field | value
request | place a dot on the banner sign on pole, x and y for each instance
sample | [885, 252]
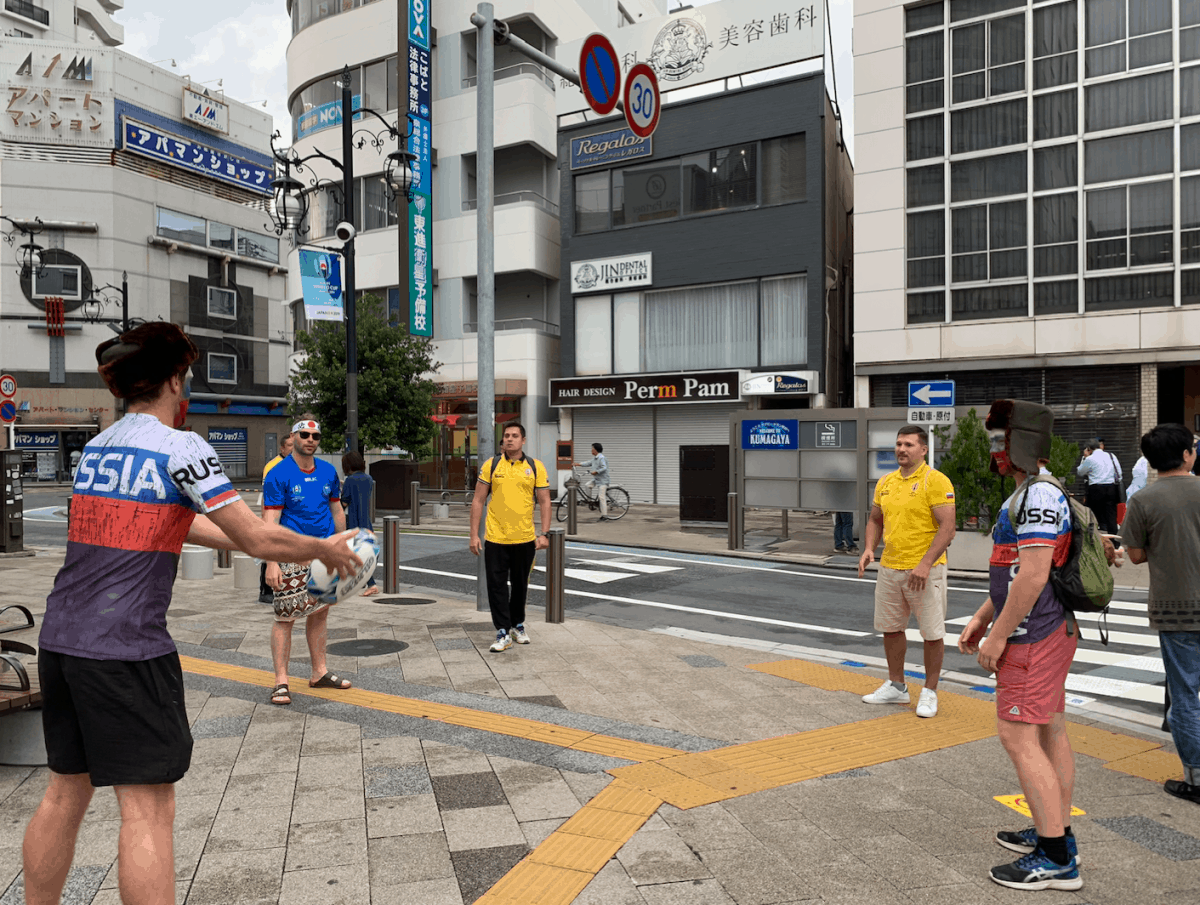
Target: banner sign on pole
[692, 46]
[420, 143]
[321, 282]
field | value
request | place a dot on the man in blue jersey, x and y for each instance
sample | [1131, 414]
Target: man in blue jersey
[112, 687]
[301, 493]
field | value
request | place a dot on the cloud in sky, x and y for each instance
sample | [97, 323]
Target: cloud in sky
[243, 44]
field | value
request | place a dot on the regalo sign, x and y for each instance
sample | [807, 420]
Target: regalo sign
[647, 389]
[707, 43]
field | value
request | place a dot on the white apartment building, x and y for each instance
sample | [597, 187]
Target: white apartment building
[330, 34]
[1028, 221]
[117, 167]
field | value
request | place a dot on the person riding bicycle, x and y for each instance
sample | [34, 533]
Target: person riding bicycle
[597, 466]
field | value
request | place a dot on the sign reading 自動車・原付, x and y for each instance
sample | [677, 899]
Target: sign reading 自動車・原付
[647, 389]
[607, 274]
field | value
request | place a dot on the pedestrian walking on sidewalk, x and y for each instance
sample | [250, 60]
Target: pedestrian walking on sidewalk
[1162, 527]
[113, 709]
[358, 494]
[266, 593]
[1030, 647]
[597, 467]
[510, 483]
[1103, 473]
[913, 512]
[301, 493]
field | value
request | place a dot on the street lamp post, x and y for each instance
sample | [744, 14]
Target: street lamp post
[93, 308]
[290, 210]
[29, 253]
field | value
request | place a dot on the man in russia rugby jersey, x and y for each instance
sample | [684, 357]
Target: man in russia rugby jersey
[113, 710]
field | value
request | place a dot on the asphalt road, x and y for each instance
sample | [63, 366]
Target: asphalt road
[825, 609]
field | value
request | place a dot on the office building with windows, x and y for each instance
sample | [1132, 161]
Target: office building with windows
[705, 271]
[1029, 215]
[330, 34]
[116, 167]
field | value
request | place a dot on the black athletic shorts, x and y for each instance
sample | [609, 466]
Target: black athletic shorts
[122, 722]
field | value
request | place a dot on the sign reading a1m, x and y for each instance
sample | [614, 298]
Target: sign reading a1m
[938, 393]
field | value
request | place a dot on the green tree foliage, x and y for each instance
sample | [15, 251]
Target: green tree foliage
[395, 395]
[967, 463]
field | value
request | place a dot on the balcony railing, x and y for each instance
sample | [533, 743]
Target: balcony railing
[518, 323]
[516, 197]
[509, 72]
[28, 10]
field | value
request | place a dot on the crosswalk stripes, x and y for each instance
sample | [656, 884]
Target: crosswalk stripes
[616, 569]
[1122, 671]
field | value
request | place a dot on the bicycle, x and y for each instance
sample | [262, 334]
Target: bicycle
[618, 499]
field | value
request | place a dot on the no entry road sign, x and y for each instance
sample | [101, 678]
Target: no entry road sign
[600, 74]
[642, 100]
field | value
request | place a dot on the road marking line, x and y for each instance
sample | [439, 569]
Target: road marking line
[656, 604]
[643, 567]
[592, 576]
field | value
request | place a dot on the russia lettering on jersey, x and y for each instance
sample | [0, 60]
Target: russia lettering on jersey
[137, 490]
[1043, 520]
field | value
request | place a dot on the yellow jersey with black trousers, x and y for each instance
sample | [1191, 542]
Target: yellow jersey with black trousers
[513, 485]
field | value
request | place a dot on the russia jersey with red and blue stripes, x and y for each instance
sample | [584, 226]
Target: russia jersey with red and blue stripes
[138, 488]
[1043, 520]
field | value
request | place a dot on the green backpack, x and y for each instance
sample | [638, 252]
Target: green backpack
[1084, 582]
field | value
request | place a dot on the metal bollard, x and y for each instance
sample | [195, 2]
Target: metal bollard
[572, 485]
[224, 559]
[556, 558]
[735, 523]
[416, 504]
[785, 525]
[391, 554]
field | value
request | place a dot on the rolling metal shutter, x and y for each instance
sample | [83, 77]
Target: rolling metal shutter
[627, 434]
[686, 425]
[230, 444]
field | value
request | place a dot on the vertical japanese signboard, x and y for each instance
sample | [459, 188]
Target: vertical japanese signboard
[420, 210]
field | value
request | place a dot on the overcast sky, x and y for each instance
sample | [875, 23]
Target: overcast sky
[246, 42]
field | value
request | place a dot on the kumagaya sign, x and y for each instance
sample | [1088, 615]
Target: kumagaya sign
[707, 43]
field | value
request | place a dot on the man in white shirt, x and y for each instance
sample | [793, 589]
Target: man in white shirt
[1141, 474]
[1103, 473]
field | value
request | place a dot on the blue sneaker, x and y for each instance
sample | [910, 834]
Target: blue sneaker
[1036, 871]
[1025, 841]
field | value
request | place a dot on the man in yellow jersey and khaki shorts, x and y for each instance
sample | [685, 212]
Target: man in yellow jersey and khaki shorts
[914, 512]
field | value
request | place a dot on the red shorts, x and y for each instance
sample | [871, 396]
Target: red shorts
[1031, 678]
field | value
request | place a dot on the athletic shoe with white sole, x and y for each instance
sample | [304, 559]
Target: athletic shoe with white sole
[927, 703]
[520, 635]
[887, 693]
[1037, 871]
[1025, 841]
[502, 643]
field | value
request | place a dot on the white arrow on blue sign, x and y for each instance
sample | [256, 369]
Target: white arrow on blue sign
[930, 393]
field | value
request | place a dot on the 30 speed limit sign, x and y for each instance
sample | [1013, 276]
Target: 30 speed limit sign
[8, 386]
[642, 101]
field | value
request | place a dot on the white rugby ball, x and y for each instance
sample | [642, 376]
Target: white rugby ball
[327, 587]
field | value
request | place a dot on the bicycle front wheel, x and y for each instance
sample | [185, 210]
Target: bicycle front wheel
[618, 502]
[560, 511]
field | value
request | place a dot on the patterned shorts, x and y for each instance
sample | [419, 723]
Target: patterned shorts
[292, 600]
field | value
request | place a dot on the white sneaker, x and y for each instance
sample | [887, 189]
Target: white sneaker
[502, 643]
[887, 693]
[520, 635]
[927, 703]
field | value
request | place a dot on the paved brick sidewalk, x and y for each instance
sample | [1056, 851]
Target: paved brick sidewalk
[598, 765]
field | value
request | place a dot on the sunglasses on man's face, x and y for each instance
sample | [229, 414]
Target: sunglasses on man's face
[305, 435]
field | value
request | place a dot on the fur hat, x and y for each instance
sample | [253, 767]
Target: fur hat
[1028, 429]
[140, 361]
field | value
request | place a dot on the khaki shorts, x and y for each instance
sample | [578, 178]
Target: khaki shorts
[894, 602]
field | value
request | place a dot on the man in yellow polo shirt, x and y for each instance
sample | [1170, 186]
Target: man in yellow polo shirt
[914, 512]
[512, 481]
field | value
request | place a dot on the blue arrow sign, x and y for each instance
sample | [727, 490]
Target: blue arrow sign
[939, 393]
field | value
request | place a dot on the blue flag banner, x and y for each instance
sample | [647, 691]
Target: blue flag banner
[321, 282]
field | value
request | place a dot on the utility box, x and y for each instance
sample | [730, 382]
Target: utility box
[393, 483]
[564, 454]
[12, 503]
[703, 483]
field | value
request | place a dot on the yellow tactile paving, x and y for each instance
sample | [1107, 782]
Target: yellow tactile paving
[819, 676]
[532, 883]
[626, 799]
[585, 853]
[599, 823]
[1156, 766]
[622, 748]
[1107, 746]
